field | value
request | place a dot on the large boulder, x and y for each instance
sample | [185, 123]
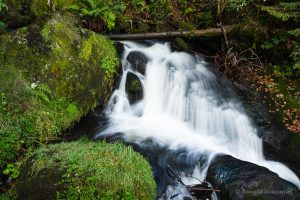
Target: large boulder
[51, 74]
[93, 170]
[243, 180]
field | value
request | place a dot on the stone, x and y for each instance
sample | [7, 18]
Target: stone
[244, 180]
[138, 61]
[134, 88]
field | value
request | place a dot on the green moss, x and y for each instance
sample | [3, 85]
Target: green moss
[46, 83]
[87, 170]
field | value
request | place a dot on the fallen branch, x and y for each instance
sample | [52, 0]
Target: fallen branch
[210, 32]
[201, 191]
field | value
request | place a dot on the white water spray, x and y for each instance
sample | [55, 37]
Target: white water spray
[184, 106]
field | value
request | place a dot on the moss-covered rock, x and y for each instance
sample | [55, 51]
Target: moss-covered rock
[86, 170]
[51, 74]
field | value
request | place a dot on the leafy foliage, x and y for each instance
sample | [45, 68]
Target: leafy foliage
[275, 41]
[237, 5]
[12, 171]
[139, 5]
[290, 40]
[196, 12]
[97, 11]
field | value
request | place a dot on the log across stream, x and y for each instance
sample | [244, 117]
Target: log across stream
[210, 32]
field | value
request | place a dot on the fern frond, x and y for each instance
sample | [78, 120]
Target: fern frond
[92, 4]
[290, 5]
[85, 12]
[280, 13]
[96, 12]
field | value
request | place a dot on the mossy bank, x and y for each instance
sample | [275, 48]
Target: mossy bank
[51, 74]
[86, 170]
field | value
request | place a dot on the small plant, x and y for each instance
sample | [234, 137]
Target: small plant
[98, 13]
[12, 171]
[289, 40]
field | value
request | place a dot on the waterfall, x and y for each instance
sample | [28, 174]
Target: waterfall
[185, 106]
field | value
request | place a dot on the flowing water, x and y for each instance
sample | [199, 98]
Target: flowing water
[187, 114]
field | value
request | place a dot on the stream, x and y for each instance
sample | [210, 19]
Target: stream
[185, 117]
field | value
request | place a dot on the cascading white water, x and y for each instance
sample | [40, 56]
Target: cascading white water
[184, 106]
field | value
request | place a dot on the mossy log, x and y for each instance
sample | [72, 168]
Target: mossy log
[210, 32]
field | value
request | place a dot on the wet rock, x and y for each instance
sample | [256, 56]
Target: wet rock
[179, 44]
[119, 48]
[243, 180]
[138, 61]
[134, 88]
[269, 128]
[279, 144]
